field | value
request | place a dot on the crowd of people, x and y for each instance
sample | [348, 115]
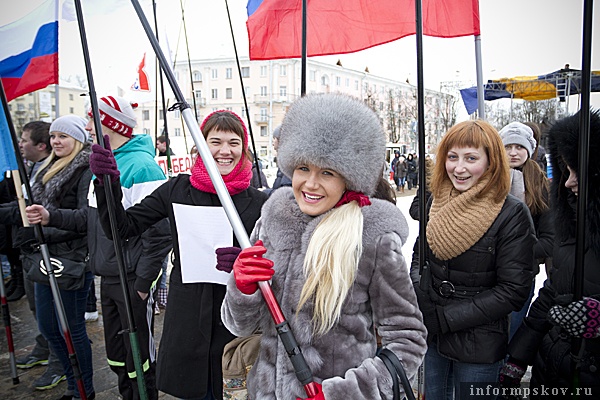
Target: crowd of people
[328, 236]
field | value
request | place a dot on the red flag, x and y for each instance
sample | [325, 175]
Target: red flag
[141, 82]
[346, 26]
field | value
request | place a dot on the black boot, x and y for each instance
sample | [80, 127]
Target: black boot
[19, 285]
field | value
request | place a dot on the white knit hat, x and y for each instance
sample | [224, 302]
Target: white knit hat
[518, 133]
[117, 114]
[72, 125]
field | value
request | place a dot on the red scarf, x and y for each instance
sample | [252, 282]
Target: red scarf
[350, 195]
[236, 181]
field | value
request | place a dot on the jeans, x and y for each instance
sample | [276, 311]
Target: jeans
[443, 376]
[74, 302]
[517, 317]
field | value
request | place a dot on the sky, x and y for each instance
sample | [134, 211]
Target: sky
[518, 37]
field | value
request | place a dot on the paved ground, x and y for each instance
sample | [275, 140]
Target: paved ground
[24, 330]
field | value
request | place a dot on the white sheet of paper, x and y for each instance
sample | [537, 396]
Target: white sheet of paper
[201, 230]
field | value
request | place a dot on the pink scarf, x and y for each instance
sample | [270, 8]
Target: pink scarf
[236, 181]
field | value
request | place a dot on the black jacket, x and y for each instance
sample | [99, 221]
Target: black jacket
[193, 337]
[492, 279]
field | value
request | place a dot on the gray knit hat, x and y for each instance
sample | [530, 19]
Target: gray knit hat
[334, 131]
[72, 125]
[518, 133]
[277, 132]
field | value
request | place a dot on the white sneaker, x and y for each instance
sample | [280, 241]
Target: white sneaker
[91, 316]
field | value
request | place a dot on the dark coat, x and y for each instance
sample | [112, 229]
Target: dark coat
[495, 276]
[538, 342]
[194, 336]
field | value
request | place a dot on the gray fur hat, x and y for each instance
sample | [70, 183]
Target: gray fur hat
[337, 132]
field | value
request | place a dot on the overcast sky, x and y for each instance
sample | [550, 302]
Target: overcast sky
[518, 37]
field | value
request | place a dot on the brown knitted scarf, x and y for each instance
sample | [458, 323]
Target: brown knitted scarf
[458, 220]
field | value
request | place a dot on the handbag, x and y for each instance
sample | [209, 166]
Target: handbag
[238, 357]
[398, 374]
[70, 275]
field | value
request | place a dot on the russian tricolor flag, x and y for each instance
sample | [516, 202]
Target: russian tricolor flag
[29, 51]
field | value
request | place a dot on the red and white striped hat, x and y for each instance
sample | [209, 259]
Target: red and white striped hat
[117, 114]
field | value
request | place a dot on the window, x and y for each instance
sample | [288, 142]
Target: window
[20, 107]
[198, 94]
[71, 110]
[347, 82]
[228, 73]
[338, 81]
[263, 131]
[263, 114]
[283, 91]
[312, 75]
[71, 97]
[245, 72]
[214, 73]
[160, 115]
[325, 80]
[356, 84]
[263, 151]
[214, 94]
[146, 131]
[247, 90]
[197, 76]
[228, 93]
[263, 91]
[283, 70]
[177, 114]
[177, 131]
[229, 108]
[263, 70]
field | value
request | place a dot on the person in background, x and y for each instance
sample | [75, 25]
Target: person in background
[478, 261]
[194, 154]
[143, 254]
[255, 182]
[335, 260]
[35, 148]
[280, 179]
[393, 168]
[411, 171]
[556, 318]
[63, 181]
[191, 348]
[520, 145]
[162, 144]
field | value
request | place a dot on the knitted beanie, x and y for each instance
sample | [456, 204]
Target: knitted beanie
[518, 133]
[72, 125]
[277, 132]
[336, 132]
[117, 114]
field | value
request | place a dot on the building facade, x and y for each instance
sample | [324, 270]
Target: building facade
[47, 104]
[271, 86]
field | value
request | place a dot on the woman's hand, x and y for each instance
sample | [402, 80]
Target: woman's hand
[250, 268]
[318, 396]
[37, 214]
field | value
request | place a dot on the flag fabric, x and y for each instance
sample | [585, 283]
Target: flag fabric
[29, 51]
[141, 81]
[346, 26]
[8, 161]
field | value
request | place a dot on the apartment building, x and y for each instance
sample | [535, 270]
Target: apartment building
[47, 104]
[271, 86]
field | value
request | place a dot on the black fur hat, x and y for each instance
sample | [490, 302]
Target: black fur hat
[334, 131]
[563, 145]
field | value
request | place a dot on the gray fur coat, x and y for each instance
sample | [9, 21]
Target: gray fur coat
[344, 358]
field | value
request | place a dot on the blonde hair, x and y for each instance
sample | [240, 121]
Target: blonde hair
[59, 164]
[476, 133]
[331, 263]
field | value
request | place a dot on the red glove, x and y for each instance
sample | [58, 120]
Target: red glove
[250, 268]
[318, 396]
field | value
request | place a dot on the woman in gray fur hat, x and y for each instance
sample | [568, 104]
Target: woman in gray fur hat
[335, 260]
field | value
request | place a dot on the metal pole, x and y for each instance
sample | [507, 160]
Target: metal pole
[39, 234]
[237, 60]
[578, 344]
[301, 368]
[304, 52]
[131, 328]
[479, 68]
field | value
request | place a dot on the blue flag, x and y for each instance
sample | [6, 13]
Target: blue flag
[8, 161]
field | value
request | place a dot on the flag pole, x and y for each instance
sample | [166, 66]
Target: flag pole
[479, 69]
[39, 234]
[286, 335]
[304, 52]
[237, 60]
[164, 104]
[8, 330]
[131, 328]
[187, 47]
[578, 344]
